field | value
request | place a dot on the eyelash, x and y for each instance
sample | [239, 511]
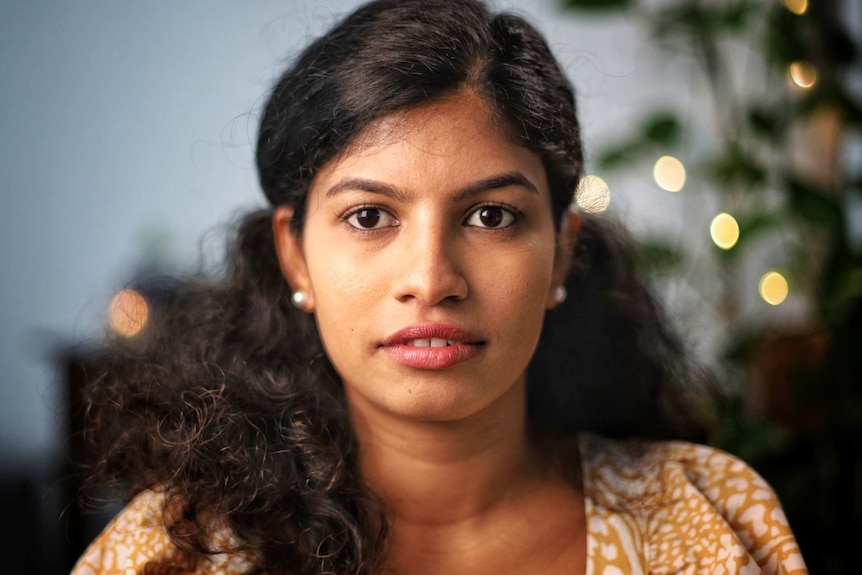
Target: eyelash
[345, 217]
[516, 214]
[512, 211]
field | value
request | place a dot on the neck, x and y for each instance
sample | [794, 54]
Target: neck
[437, 474]
[457, 494]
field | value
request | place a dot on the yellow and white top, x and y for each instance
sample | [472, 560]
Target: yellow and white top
[676, 507]
[651, 507]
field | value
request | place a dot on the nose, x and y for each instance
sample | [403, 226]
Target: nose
[429, 267]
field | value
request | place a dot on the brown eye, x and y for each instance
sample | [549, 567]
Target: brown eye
[367, 218]
[370, 219]
[491, 217]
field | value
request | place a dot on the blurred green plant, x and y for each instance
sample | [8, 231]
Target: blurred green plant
[794, 409]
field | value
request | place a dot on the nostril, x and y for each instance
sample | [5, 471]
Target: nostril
[432, 287]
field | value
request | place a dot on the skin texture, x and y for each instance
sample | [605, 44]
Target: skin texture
[446, 449]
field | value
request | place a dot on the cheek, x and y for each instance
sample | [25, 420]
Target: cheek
[520, 287]
[343, 285]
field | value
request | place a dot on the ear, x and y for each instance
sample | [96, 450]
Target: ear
[566, 242]
[291, 258]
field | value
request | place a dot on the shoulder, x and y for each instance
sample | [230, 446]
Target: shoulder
[136, 541]
[672, 469]
[690, 504]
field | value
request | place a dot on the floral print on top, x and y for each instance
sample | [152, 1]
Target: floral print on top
[652, 508]
[676, 507]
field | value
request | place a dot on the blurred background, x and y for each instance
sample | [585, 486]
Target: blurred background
[726, 134]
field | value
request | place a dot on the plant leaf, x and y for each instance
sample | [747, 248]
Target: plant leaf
[620, 155]
[597, 5]
[770, 123]
[736, 168]
[814, 206]
[659, 257]
[755, 225]
[662, 128]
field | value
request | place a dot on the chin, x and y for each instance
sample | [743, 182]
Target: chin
[425, 401]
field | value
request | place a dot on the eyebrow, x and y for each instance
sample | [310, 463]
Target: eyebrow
[493, 183]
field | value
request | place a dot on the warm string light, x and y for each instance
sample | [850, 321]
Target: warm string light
[128, 313]
[773, 288]
[724, 231]
[798, 7]
[802, 73]
[669, 174]
[593, 196]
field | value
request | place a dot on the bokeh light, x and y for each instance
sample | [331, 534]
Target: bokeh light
[724, 231]
[773, 288]
[669, 174]
[798, 7]
[128, 313]
[803, 74]
[593, 195]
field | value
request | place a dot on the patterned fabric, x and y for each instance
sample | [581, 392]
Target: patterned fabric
[675, 507]
[135, 542]
[652, 508]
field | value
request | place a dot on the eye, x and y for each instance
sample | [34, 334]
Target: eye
[371, 219]
[491, 217]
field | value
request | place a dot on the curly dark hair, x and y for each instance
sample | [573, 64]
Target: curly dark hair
[230, 406]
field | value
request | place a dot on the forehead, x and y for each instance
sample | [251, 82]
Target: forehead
[458, 138]
[440, 119]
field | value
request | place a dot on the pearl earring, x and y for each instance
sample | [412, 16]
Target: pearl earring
[560, 294]
[299, 298]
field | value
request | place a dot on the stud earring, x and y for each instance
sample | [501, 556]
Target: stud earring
[299, 298]
[560, 294]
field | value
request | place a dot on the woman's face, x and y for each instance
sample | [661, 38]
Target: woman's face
[428, 259]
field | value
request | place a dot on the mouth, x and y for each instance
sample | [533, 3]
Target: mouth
[431, 335]
[431, 342]
[432, 346]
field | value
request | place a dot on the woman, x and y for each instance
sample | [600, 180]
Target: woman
[399, 373]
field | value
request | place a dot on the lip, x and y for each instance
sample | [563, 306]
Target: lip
[461, 346]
